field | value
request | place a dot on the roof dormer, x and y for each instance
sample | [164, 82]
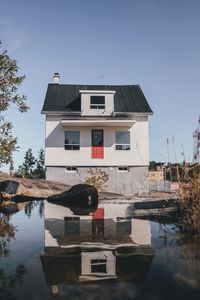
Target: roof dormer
[97, 102]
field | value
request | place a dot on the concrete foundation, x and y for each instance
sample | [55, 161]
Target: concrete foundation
[131, 182]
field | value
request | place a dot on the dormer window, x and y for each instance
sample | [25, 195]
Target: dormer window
[97, 102]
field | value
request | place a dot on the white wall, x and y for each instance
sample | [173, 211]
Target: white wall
[109, 104]
[56, 155]
[141, 231]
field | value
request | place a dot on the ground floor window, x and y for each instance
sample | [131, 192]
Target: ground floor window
[72, 140]
[123, 169]
[122, 140]
[71, 169]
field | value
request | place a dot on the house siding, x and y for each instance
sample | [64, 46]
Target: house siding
[56, 155]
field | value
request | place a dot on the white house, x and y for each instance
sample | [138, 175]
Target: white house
[97, 128]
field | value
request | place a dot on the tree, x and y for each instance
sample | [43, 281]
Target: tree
[27, 168]
[32, 167]
[39, 171]
[9, 84]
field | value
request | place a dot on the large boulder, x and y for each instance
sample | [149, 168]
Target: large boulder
[11, 188]
[80, 195]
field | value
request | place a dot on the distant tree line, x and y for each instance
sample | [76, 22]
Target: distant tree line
[32, 167]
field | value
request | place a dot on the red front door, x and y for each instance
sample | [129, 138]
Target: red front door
[97, 143]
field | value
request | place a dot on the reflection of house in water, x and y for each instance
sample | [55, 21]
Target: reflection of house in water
[106, 225]
[99, 246]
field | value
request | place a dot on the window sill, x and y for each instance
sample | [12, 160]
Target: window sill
[101, 109]
[123, 150]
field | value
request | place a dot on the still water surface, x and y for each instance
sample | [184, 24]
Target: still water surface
[49, 251]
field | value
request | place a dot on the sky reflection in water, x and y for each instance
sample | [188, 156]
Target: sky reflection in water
[48, 250]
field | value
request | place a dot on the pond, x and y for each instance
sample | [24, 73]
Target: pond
[48, 251]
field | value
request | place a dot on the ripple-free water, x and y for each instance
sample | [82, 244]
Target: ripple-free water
[49, 251]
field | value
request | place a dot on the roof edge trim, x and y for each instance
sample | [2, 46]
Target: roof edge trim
[133, 113]
[97, 91]
[61, 112]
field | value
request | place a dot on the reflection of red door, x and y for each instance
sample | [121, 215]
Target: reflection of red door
[98, 214]
[97, 143]
[98, 223]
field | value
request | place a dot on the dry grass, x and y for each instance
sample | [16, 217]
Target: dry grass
[189, 196]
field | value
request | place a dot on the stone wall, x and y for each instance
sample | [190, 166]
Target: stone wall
[135, 181]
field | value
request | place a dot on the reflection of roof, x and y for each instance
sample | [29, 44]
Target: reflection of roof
[131, 265]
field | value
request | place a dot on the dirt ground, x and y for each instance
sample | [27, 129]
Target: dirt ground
[40, 187]
[45, 188]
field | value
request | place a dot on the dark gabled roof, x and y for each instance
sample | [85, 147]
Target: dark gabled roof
[66, 98]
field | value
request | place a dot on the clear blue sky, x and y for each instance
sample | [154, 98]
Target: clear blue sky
[153, 43]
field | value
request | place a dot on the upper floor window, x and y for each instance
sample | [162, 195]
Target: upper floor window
[97, 102]
[72, 140]
[122, 140]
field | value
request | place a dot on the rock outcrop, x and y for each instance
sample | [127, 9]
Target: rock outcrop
[19, 188]
[11, 188]
[79, 196]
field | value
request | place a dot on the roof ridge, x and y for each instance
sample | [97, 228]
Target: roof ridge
[79, 84]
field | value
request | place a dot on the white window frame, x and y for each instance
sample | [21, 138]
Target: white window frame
[100, 105]
[99, 262]
[65, 144]
[123, 145]
[86, 258]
